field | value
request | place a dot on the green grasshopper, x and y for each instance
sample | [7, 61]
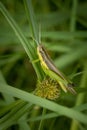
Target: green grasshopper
[51, 70]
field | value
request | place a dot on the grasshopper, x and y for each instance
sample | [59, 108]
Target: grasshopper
[52, 71]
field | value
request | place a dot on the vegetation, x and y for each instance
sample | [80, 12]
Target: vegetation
[61, 25]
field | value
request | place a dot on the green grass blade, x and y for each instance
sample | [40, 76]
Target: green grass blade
[64, 35]
[27, 46]
[8, 98]
[71, 113]
[73, 16]
[71, 57]
[31, 19]
[11, 117]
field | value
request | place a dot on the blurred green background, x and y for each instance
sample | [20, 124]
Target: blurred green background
[62, 25]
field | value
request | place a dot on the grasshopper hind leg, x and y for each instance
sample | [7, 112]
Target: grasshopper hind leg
[71, 89]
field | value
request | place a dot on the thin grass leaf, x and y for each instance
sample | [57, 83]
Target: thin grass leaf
[11, 118]
[43, 117]
[60, 35]
[81, 107]
[73, 16]
[8, 98]
[31, 19]
[73, 56]
[14, 110]
[23, 125]
[9, 107]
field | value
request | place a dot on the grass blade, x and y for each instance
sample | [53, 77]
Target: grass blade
[71, 113]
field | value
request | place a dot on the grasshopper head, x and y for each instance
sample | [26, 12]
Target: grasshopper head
[41, 52]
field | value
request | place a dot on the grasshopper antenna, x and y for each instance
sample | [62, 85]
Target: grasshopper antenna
[35, 40]
[38, 42]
